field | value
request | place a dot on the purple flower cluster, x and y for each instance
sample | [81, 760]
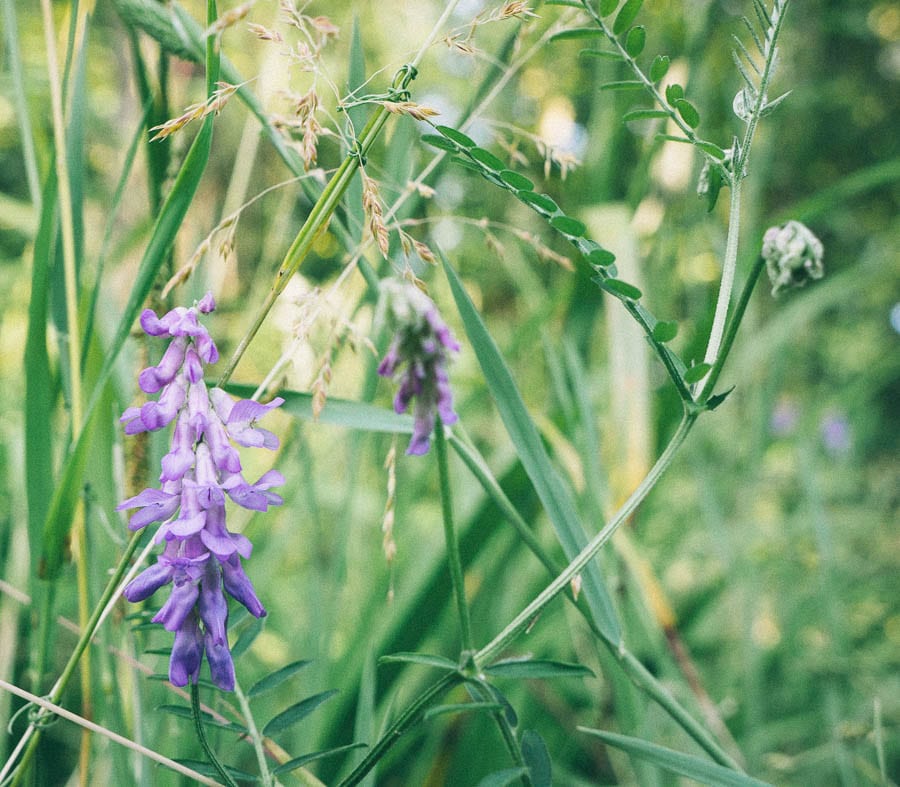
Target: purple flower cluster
[201, 557]
[417, 359]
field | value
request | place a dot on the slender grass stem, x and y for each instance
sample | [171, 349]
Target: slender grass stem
[264, 774]
[453, 558]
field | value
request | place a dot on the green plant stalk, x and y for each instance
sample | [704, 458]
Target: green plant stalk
[204, 741]
[577, 565]
[483, 692]
[265, 774]
[319, 217]
[729, 268]
[403, 722]
[453, 558]
[87, 633]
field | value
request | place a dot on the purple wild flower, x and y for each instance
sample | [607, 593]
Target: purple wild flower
[202, 558]
[417, 359]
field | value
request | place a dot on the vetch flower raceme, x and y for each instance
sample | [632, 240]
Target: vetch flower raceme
[417, 358]
[201, 559]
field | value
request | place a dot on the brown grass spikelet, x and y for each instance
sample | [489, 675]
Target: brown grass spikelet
[516, 9]
[375, 214]
[213, 104]
[423, 190]
[388, 545]
[411, 108]
[264, 33]
[229, 18]
[320, 387]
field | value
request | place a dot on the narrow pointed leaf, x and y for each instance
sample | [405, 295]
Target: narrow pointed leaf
[297, 712]
[456, 136]
[537, 669]
[487, 158]
[503, 778]
[420, 658]
[183, 712]
[623, 84]
[644, 114]
[536, 756]
[675, 762]
[553, 493]
[462, 707]
[576, 33]
[439, 142]
[276, 678]
[601, 53]
[247, 637]
[292, 765]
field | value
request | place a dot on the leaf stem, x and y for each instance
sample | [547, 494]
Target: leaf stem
[453, 557]
[204, 741]
[265, 774]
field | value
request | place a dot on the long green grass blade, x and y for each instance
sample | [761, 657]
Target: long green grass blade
[554, 495]
[676, 762]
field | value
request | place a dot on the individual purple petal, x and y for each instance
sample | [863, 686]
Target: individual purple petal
[155, 377]
[191, 518]
[132, 420]
[422, 429]
[182, 322]
[224, 455]
[187, 652]
[391, 359]
[149, 581]
[212, 606]
[254, 496]
[180, 602]
[198, 408]
[155, 504]
[209, 493]
[181, 456]
[156, 415]
[239, 586]
[242, 423]
[206, 347]
[222, 403]
[207, 303]
[151, 324]
[193, 366]
[215, 536]
[221, 665]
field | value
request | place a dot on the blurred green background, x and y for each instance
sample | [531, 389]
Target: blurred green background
[759, 581]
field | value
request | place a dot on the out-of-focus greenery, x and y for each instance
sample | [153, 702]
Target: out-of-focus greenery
[759, 580]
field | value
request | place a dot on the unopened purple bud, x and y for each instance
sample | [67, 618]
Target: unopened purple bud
[151, 324]
[193, 366]
[187, 652]
[207, 303]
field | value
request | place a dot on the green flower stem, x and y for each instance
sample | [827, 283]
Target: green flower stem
[319, 217]
[204, 741]
[731, 332]
[524, 618]
[729, 267]
[453, 558]
[264, 774]
[403, 723]
[34, 731]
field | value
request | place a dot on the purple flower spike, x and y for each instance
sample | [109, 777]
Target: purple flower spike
[202, 558]
[417, 358]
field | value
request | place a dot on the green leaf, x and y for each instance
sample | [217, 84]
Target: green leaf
[292, 765]
[635, 40]
[601, 258]
[553, 493]
[207, 769]
[246, 638]
[503, 778]
[568, 226]
[456, 136]
[536, 756]
[276, 678]
[665, 331]
[696, 372]
[487, 158]
[714, 401]
[541, 202]
[602, 53]
[439, 142]
[607, 7]
[623, 84]
[688, 112]
[619, 288]
[570, 3]
[659, 68]
[462, 707]
[535, 669]
[626, 16]
[644, 114]
[674, 92]
[577, 32]
[420, 658]
[517, 181]
[183, 712]
[297, 712]
[339, 412]
[712, 150]
[675, 762]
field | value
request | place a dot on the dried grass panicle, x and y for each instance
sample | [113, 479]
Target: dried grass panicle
[388, 545]
[543, 251]
[375, 214]
[320, 386]
[264, 33]
[213, 104]
[230, 18]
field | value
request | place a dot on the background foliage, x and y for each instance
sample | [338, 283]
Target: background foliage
[758, 582]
